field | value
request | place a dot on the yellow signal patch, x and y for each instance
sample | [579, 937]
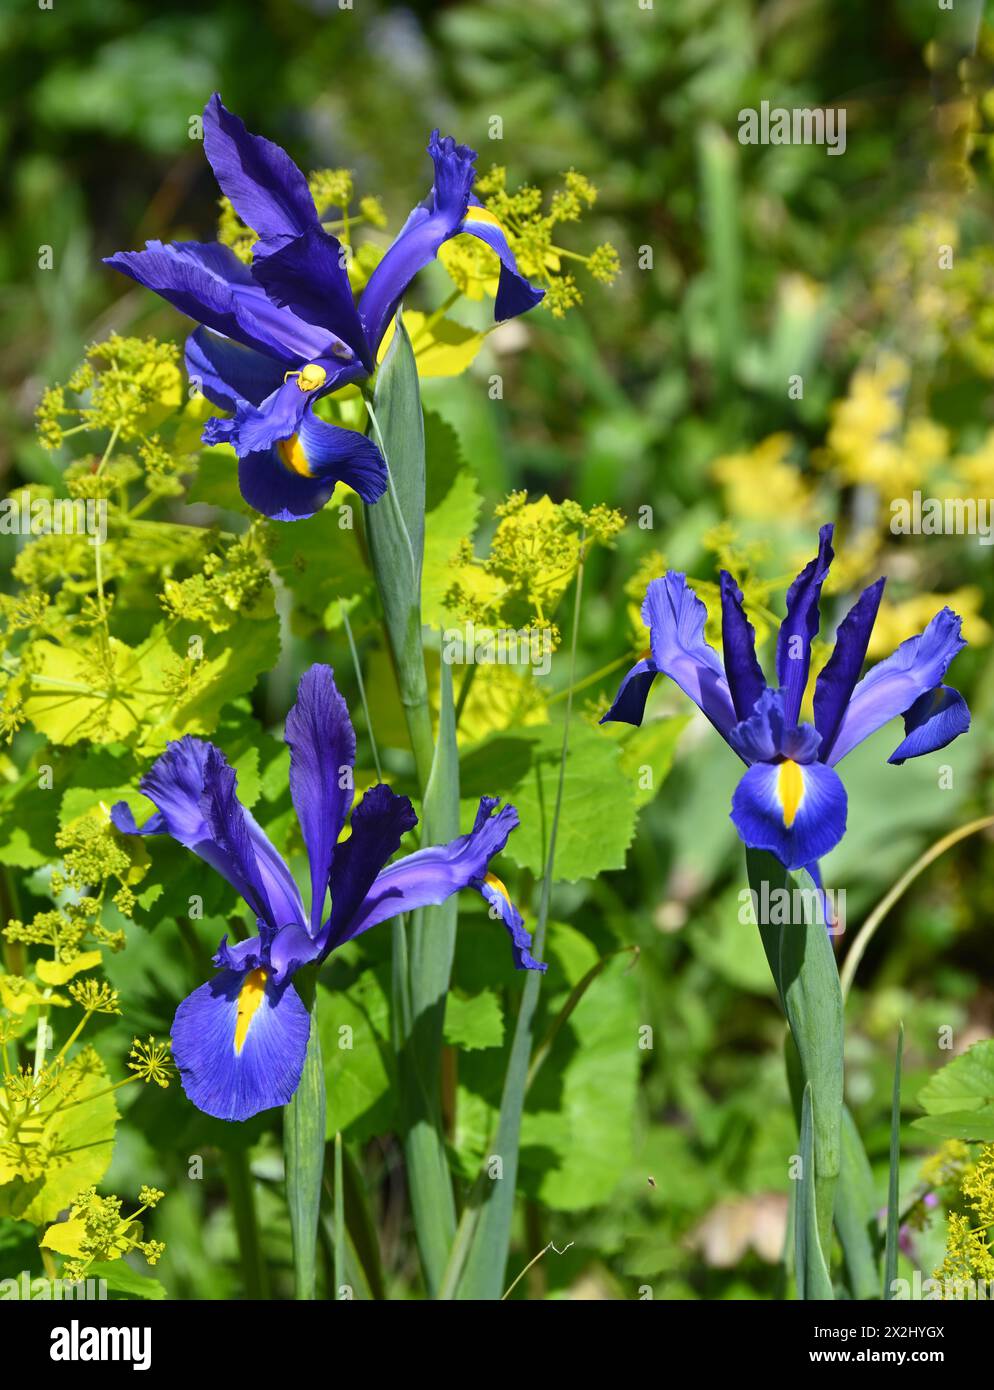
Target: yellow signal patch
[250, 996]
[291, 451]
[790, 789]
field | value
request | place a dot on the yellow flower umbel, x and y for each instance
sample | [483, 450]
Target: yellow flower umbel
[968, 1235]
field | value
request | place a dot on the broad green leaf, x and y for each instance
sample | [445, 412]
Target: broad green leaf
[80, 1137]
[474, 1021]
[647, 754]
[452, 521]
[121, 1279]
[959, 1097]
[354, 1023]
[597, 823]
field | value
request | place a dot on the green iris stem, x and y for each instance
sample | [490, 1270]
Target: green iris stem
[303, 1152]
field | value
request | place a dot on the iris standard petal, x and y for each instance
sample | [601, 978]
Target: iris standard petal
[239, 1042]
[738, 639]
[675, 617]
[417, 243]
[795, 811]
[894, 684]
[837, 680]
[229, 373]
[379, 823]
[321, 740]
[183, 786]
[434, 874]
[308, 276]
[629, 703]
[266, 188]
[935, 719]
[800, 626]
[515, 294]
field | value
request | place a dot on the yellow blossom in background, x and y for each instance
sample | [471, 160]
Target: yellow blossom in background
[896, 622]
[863, 439]
[761, 484]
[974, 472]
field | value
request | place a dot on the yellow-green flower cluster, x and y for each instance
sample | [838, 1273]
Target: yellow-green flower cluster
[533, 558]
[96, 1231]
[125, 385]
[968, 1234]
[530, 231]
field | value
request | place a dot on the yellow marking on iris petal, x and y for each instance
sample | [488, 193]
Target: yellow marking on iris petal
[250, 996]
[475, 214]
[495, 882]
[291, 451]
[790, 788]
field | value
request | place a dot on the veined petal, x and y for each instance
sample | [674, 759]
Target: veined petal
[501, 906]
[766, 735]
[308, 276]
[193, 790]
[266, 188]
[738, 639]
[515, 294]
[434, 874]
[417, 243]
[322, 754]
[295, 478]
[894, 684]
[675, 617]
[800, 626]
[229, 373]
[629, 703]
[239, 1042]
[935, 719]
[795, 811]
[379, 823]
[208, 283]
[837, 680]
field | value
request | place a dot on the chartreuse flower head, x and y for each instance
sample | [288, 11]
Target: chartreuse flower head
[239, 1040]
[791, 800]
[281, 332]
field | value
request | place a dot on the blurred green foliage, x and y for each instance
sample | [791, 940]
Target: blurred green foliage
[665, 1167]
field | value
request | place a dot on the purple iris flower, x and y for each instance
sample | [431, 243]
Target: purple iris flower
[277, 335]
[790, 800]
[239, 1040]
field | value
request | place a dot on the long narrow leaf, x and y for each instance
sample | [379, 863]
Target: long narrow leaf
[813, 1281]
[894, 1182]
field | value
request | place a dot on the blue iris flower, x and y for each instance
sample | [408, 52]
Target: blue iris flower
[277, 335]
[790, 800]
[239, 1040]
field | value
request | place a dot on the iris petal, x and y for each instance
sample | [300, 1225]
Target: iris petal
[836, 682]
[434, 874]
[893, 685]
[738, 638]
[515, 294]
[271, 1025]
[308, 276]
[193, 790]
[229, 373]
[795, 811]
[424, 231]
[629, 703]
[933, 721]
[266, 188]
[675, 617]
[800, 626]
[322, 753]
